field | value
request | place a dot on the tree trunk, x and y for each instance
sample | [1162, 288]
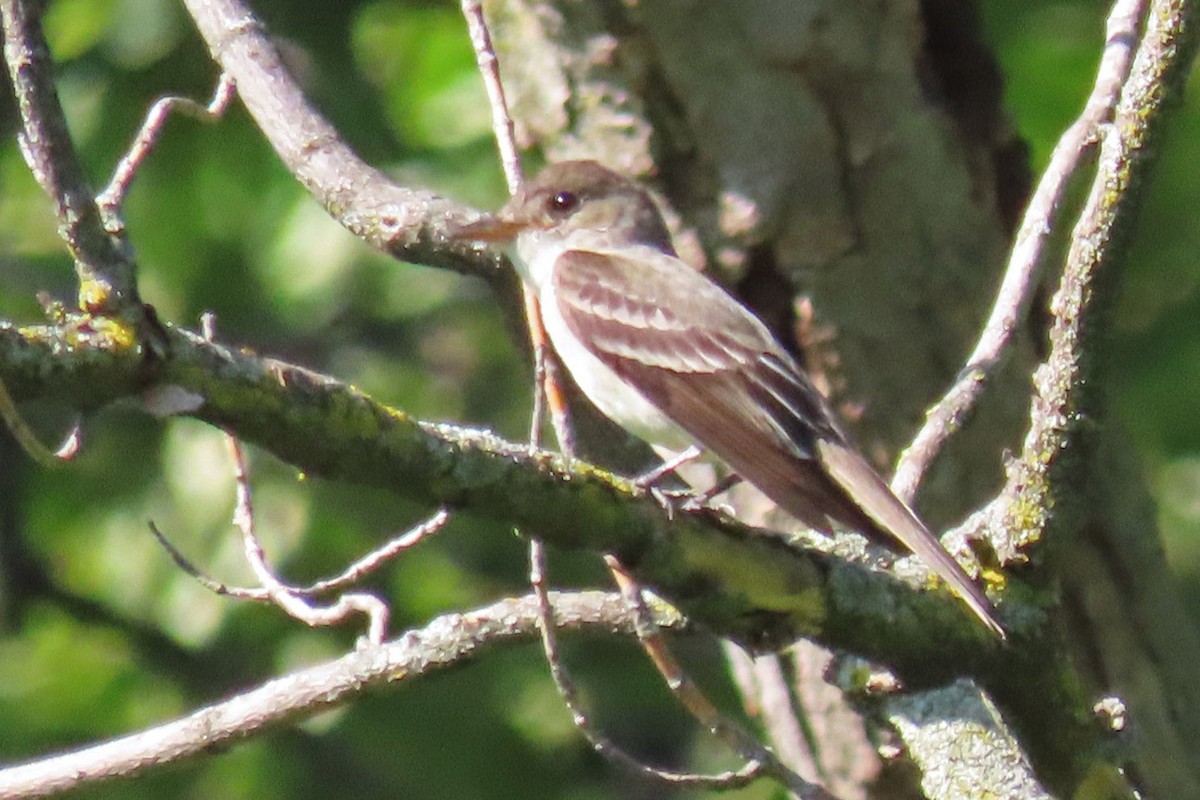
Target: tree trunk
[849, 170]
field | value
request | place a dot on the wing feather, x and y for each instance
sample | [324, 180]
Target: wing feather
[716, 371]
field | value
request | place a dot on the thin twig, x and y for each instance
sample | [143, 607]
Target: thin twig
[113, 196]
[599, 742]
[489, 70]
[280, 593]
[207, 581]
[352, 574]
[1021, 277]
[544, 373]
[373, 560]
[697, 704]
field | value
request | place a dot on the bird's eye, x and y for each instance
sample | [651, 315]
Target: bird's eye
[563, 202]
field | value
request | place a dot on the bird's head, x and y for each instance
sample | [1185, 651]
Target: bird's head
[573, 196]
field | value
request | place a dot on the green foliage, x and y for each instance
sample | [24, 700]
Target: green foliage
[103, 635]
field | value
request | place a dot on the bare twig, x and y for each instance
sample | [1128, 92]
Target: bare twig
[352, 574]
[281, 594]
[489, 69]
[376, 558]
[1041, 504]
[689, 695]
[1024, 266]
[410, 224]
[546, 392]
[111, 199]
[291, 598]
[443, 642]
[105, 270]
[599, 742]
[207, 581]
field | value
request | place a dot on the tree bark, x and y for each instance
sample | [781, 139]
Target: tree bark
[850, 171]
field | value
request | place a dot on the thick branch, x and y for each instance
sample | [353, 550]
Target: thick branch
[1066, 405]
[1042, 501]
[743, 583]
[1021, 276]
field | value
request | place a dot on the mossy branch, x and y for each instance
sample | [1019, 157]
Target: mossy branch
[750, 585]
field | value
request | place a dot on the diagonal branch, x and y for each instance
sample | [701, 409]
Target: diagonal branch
[1066, 400]
[102, 261]
[1042, 501]
[1021, 277]
[445, 641]
[410, 224]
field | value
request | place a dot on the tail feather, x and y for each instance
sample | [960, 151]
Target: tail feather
[890, 516]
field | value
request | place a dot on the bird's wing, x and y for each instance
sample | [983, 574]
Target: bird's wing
[715, 370]
[709, 365]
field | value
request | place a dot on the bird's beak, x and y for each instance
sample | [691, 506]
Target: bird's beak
[490, 228]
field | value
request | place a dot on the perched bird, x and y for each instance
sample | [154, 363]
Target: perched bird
[666, 353]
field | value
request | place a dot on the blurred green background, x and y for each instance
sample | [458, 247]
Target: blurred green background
[100, 634]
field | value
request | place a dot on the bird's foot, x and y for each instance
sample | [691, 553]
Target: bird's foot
[649, 480]
[704, 499]
[688, 501]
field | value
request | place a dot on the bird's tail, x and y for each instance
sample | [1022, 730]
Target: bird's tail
[891, 517]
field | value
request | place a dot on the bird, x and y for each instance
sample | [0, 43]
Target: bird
[671, 356]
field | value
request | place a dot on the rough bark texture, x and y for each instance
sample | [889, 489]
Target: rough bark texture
[811, 150]
[849, 169]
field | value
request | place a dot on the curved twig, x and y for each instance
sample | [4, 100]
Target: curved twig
[1021, 277]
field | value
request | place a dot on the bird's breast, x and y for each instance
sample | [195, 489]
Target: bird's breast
[611, 394]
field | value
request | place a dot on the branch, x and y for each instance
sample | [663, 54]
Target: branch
[410, 224]
[113, 196]
[1066, 403]
[102, 261]
[446, 641]
[964, 750]
[602, 744]
[1021, 277]
[749, 586]
[1043, 499]
[743, 583]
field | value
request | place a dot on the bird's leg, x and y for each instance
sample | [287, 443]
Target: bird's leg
[650, 479]
[692, 501]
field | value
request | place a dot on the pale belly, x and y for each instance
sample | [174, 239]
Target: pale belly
[616, 399]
